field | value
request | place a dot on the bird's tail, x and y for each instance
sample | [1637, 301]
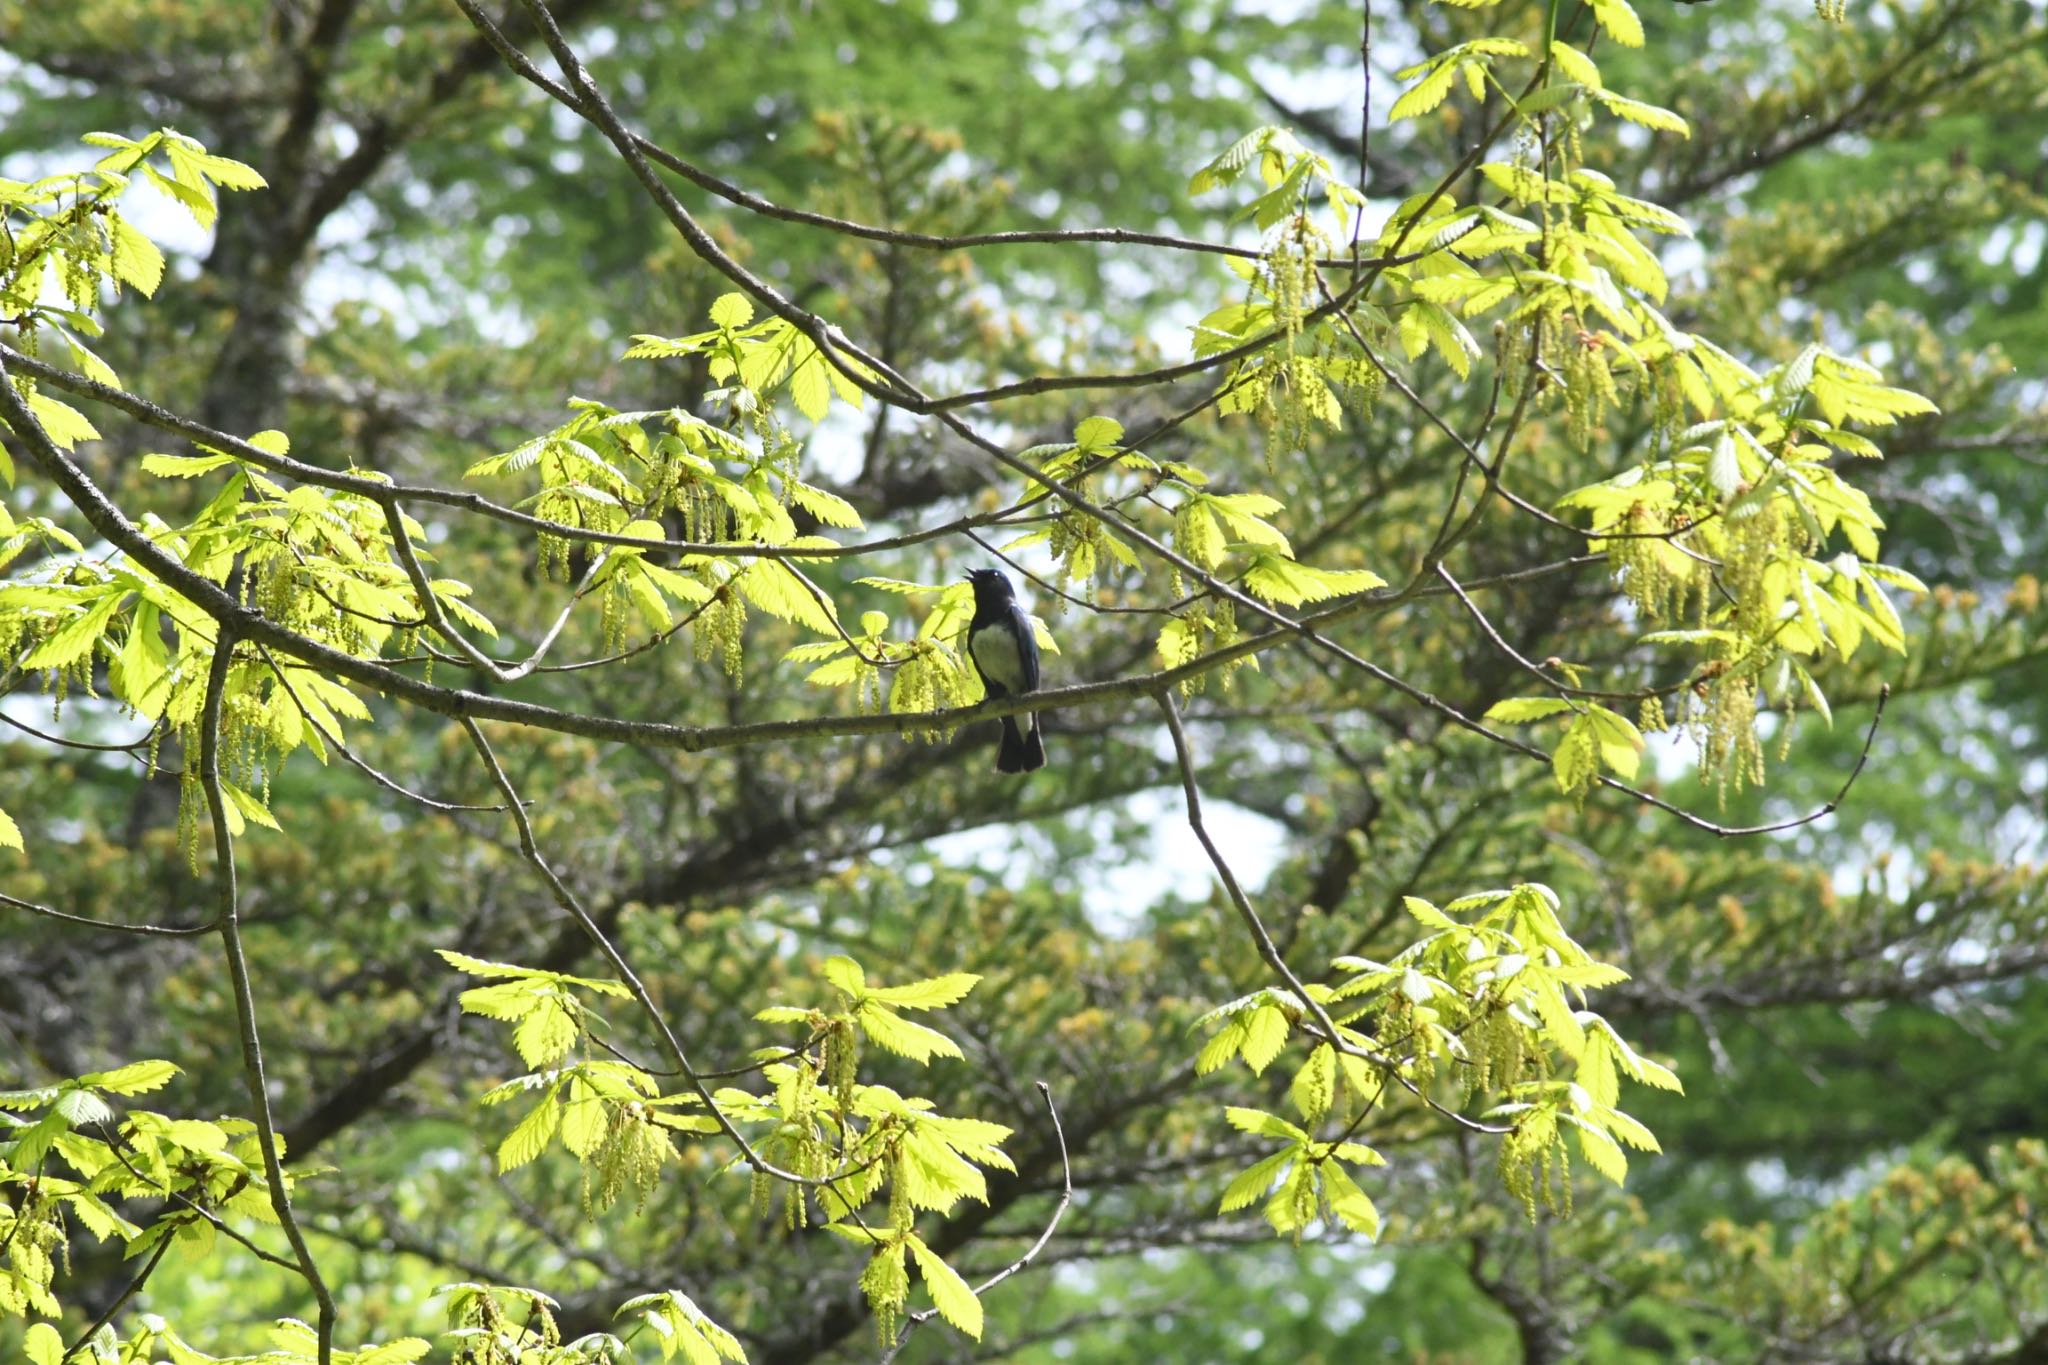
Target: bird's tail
[1022, 751]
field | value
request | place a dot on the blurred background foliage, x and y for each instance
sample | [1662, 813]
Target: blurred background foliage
[1859, 1007]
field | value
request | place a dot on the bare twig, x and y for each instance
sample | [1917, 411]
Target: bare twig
[150, 930]
[245, 998]
[128, 1292]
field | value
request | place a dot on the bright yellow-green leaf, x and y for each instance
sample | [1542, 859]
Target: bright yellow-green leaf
[893, 1033]
[1620, 21]
[953, 1297]
[934, 993]
[136, 1078]
[1265, 1034]
[65, 425]
[42, 1345]
[530, 1138]
[732, 310]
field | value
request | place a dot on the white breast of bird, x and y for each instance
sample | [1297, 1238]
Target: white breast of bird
[996, 654]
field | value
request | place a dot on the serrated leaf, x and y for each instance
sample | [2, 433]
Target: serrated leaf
[1265, 1034]
[546, 1033]
[1601, 1152]
[42, 1345]
[1347, 1202]
[1522, 710]
[934, 993]
[531, 1136]
[65, 425]
[845, 973]
[1251, 1184]
[136, 1078]
[893, 1033]
[1620, 21]
[732, 310]
[1261, 1124]
[829, 508]
[952, 1295]
[1426, 94]
[1097, 434]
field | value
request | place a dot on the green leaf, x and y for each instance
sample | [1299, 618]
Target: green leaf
[403, 1351]
[1645, 115]
[777, 589]
[1428, 914]
[546, 1034]
[934, 993]
[43, 1345]
[530, 1138]
[1261, 1124]
[1265, 1034]
[585, 1119]
[76, 639]
[183, 466]
[828, 508]
[1620, 21]
[732, 310]
[65, 425]
[846, 974]
[1097, 434]
[1521, 710]
[1601, 1152]
[1244, 513]
[1426, 94]
[136, 1078]
[1347, 1202]
[1620, 743]
[1315, 1085]
[1250, 1185]
[1576, 65]
[952, 1295]
[10, 833]
[896, 1034]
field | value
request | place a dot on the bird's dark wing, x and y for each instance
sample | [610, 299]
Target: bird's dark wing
[1027, 647]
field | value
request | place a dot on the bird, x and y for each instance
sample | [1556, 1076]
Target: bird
[1005, 654]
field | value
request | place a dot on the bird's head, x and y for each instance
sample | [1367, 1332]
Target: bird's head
[991, 585]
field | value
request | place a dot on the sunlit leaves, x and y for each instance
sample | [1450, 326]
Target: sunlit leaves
[1496, 1000]
[548, 1015]
[1618, 20]
[1311, 1176]
[1472, 60]
[875, 1010]
[761, 358]
[1289, 172]
[680, 1328]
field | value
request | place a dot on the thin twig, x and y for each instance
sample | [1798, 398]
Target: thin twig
[238, 972]
[572, 905]
[151, 930]
[89, 746]
[360, 764]
[133, 1287]
[115, 1144]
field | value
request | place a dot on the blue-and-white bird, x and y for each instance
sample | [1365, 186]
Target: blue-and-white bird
[1005, 653]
